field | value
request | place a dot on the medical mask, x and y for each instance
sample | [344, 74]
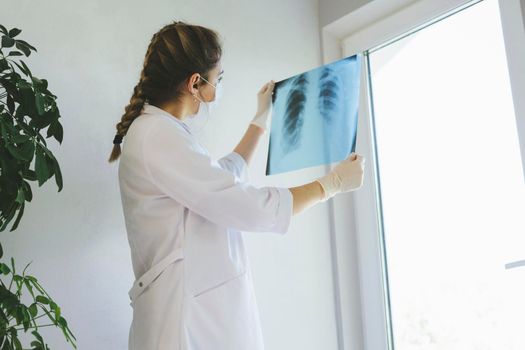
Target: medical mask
[218, 93]
[209, 106]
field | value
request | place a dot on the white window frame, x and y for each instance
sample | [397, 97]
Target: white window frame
[360, 279]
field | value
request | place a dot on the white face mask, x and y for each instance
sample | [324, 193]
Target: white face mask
[209, 106]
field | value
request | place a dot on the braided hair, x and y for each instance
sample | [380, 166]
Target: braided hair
[175, 52]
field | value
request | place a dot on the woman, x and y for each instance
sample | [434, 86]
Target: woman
[184, 212]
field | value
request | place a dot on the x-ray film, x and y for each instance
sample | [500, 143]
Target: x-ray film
[314, 117]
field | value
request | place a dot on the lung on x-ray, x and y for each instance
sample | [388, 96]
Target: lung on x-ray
[314, 117]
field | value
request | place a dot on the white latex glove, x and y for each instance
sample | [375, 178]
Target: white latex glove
[264, 106]
[344, 177]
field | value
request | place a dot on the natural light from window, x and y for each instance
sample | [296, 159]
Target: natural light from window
[452, 185]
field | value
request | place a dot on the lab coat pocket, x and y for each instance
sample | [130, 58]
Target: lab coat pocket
[211, 289]
[224, 317]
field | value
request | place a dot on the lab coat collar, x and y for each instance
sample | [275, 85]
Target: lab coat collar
[152, 109]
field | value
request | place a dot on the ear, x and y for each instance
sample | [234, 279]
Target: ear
[193, 83]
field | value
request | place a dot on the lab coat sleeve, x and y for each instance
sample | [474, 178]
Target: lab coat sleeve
[176, 166]
[236, 164]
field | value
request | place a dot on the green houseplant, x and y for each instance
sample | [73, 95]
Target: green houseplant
[26, 108]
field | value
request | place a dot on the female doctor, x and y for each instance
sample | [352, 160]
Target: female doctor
[185, 212]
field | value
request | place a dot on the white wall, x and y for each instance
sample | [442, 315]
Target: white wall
[91, 52]
[331, 10]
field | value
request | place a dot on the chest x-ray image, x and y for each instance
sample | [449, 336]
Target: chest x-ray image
[314, 117]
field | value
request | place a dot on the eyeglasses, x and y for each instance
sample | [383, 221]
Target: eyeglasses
[218, 81]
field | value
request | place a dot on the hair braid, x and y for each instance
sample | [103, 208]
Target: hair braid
[137, 101]
[170, 58]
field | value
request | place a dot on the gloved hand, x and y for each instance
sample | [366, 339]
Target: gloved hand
[264, 106]
[344, 177]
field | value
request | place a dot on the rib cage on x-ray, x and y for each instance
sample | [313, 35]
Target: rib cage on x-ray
[329, 93]
[329, 88]
[294, 114]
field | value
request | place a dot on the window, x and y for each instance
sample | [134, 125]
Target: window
[451, 184]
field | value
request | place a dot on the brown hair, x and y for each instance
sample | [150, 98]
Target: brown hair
[175, 52]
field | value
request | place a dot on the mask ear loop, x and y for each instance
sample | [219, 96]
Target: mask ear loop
[207, 114]
[207, 118]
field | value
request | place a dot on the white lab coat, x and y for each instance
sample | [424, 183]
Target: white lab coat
[184, 214]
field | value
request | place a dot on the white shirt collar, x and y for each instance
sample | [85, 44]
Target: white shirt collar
[151, 109]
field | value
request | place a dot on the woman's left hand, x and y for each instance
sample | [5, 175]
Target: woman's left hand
[264, 106]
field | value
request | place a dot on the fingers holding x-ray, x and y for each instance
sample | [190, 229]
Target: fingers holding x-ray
[314, 118]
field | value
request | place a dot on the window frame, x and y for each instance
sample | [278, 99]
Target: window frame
[358, 248]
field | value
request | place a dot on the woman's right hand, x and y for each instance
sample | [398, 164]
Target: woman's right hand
[344, 177]
[264, 106]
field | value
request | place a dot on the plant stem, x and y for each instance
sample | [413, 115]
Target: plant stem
[44, 325]
[39, 316]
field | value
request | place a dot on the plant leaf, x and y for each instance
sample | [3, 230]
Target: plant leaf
[39, 103]
[9, 216]
[21, 68]
[24, 152]
[58, 175]
[28, 150]
[41, 169]
[26, 67]
[56, 168]
[42, 299]
[20, 196]
[4, 269]
[14, 32]
[10, 104]
[18, 217]
[23, 48]
[33, 310]
[14, 53]
[62, 321]
[56, 130]
[27, 44]
[14, 151]
[27, 188]
[18, 345]
[3, 64]
[19, 138]
[29, 174]
[7, 41]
